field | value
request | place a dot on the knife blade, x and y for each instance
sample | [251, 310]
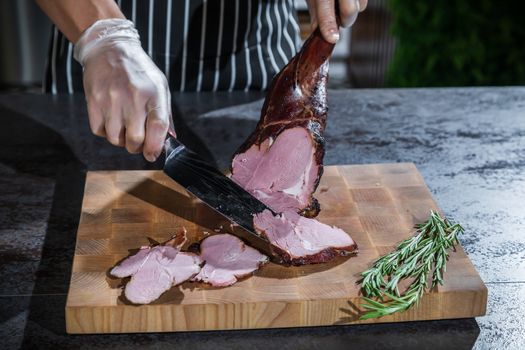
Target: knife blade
[217, 191]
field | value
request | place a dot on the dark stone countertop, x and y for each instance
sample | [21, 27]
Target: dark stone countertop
[469, 144]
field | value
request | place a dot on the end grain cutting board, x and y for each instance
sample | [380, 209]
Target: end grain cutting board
[377, 204]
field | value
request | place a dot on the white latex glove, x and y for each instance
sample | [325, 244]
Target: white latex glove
[323, 13]
[128, 97]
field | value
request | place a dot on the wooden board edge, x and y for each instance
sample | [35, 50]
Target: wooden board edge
[184, 318]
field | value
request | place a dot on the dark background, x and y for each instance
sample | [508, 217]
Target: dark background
[394, 43]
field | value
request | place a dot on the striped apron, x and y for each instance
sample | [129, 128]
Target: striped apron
[200, 45]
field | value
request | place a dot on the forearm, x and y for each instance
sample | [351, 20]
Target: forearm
[72, 17]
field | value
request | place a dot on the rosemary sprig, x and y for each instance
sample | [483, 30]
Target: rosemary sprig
[414, 258]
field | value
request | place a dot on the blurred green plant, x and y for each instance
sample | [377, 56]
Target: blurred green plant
[457, 43]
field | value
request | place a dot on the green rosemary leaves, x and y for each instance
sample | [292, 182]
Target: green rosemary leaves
[414, 259]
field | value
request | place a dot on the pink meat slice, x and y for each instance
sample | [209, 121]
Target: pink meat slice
[154, 270]
[159, 274]
[299, 240]
[227, 258]
[281, 173]
[132, 264]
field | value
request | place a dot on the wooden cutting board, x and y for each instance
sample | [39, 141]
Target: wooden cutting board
[376, 204]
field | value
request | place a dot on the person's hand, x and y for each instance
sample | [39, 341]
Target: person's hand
[127, 96]
[323, 14]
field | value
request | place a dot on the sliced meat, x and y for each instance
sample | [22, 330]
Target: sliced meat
[227, 258]
[299, 240]
[281, 161]
[281, 174]
[159, 272]
[154, 270]
[132, 264]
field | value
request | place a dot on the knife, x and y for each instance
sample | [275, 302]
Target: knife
[216, 190]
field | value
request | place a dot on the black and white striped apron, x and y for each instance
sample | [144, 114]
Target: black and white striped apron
[201, 45]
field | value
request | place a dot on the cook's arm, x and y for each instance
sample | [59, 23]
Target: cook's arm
[127, 96]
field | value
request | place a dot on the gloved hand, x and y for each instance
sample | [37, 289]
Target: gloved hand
[128, 97]
[322, 13]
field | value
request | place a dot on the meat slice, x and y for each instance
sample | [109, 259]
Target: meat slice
[154, 270]
[281, 174]
[299, 240]
[227, 259]
[131, 265]
[159, 273]
[281, 162]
